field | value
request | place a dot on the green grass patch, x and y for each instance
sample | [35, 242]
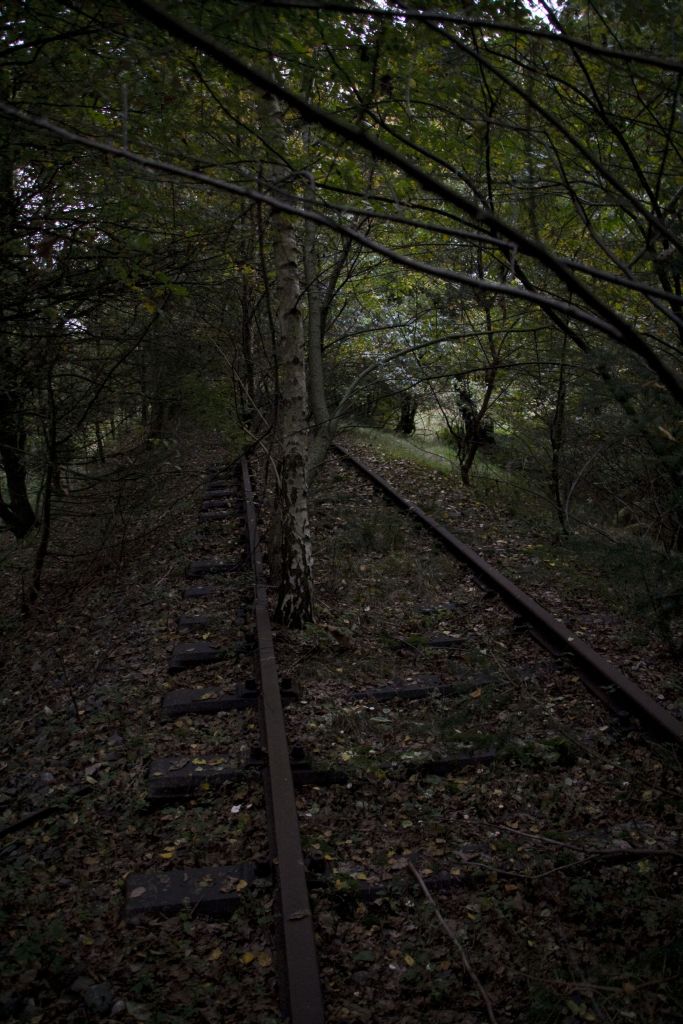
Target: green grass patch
[428, 452]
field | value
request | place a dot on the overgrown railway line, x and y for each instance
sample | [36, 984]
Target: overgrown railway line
[607, 683]
[392, 739]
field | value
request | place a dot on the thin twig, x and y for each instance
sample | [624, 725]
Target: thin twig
[451, 934]
[609, 855]
[538, 838]
[42, 813]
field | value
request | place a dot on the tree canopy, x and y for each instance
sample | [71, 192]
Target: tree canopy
[337, 204]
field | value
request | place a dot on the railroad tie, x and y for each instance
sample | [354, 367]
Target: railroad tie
[215, 891]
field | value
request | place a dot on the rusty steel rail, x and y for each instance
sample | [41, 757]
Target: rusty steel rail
[603, 680]
[299, 972]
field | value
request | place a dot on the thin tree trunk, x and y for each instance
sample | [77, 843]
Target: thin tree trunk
[325, 425]
[17, 513]
[52, 467]
[100, 442]
[557, 443]
[316, 382]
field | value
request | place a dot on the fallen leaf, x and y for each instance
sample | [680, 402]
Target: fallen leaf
[138, 1012]
[138, 891]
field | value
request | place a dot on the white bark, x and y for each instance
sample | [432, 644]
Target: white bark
[295, 598]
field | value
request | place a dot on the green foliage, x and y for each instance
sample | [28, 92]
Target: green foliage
[210, 403]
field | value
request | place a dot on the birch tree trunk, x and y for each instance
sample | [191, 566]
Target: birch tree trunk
[295, 597]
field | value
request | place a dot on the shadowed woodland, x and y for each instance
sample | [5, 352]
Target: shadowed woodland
[286, 217]
[453, 238]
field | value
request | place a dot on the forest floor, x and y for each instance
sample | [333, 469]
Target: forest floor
[83, 676]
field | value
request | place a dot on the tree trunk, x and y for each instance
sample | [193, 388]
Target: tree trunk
[316, 381]
[18, 513]
[557, 443]
[295, 597]
[408, 411]
[100, 442]
[318, 308]
[52, 467]
[246, 388]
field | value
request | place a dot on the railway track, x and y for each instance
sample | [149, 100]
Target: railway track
[429, 759]
[619, 693]
[214, 890]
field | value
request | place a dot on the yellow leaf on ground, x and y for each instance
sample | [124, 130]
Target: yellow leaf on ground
[407, 959]
[247, 958]
[216, 954]
[475, 694]
[242, 884]
[264, 958]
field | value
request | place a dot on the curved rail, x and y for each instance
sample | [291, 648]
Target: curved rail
[603, 680]
[300, 975]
